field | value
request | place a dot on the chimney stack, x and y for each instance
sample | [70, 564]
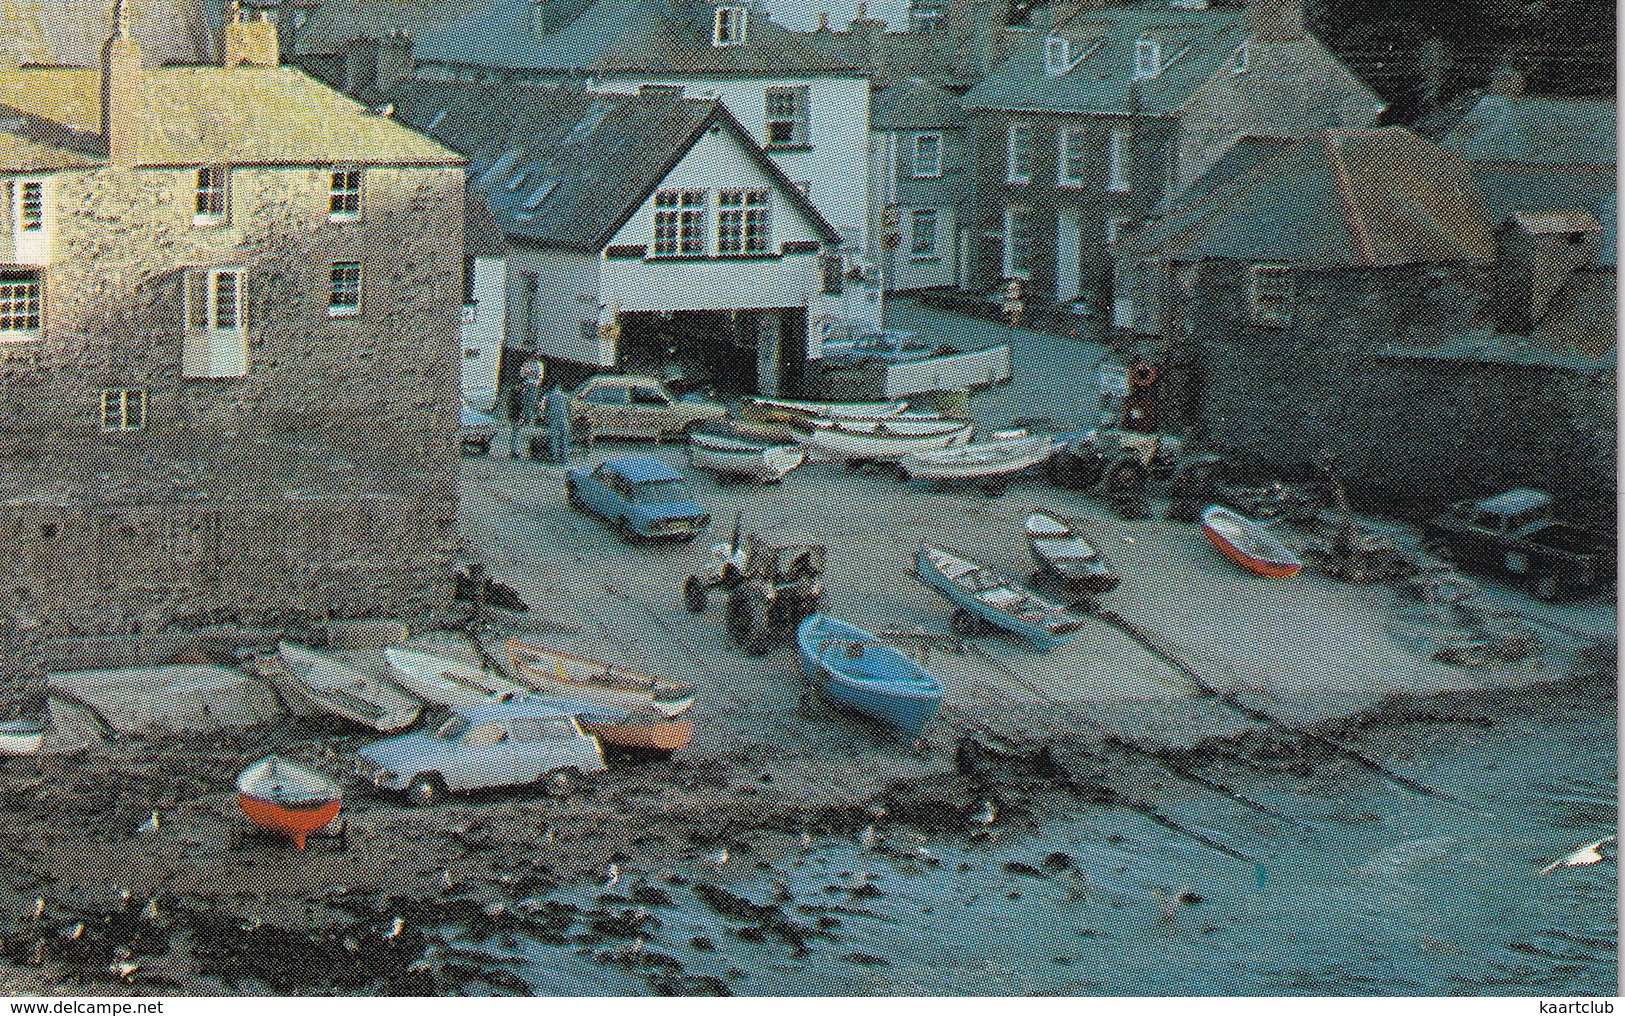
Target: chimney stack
[248, 39]
[1275, 20]
[122, 104]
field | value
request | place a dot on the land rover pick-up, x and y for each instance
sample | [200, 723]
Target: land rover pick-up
[1515, 534]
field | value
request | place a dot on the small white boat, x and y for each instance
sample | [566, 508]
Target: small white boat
[782, 410]
[347, 691]
[567, 676]
[881, 440]
[448, 682]
[728, 451]
[983, 461]
[21, 737]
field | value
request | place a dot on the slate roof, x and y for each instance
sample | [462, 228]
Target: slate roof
[565, 167]
[200, 115]
[1537, 131]
[335, 22]
[1103, 82]
[1363, 198]
[915, 105]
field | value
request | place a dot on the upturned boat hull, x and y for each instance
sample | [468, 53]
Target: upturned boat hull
[1246, 544]
[848, 668]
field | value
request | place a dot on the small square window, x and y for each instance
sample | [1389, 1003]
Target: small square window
[344, 290]
[1147, 58]
[1018, 163]
[1072, 157]
[927, 160]
[19, 305]
[729, 27]
[924, 232]
[344, 195]
[1057, 56]
[124, 409]
[1271, 294]
[786, 119]
[742, 222]
[209, 206]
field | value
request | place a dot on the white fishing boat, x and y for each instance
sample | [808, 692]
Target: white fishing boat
[729, 451]
[448, 682]
[347, 691]
[881, 440]
[983, 461]
[782, 410]
[21, 737]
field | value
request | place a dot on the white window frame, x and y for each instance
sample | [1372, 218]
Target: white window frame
[1116, 228]
[683, 215]
[123, 409]
[931, 169]
[1119, 155]
[210, 196]
[343, 198]
[728, 26]
[915, 217]
[1147, 59]
[799, 119]
[1012, 150]
[744, 221]
[1271, 304]
[21, 302]
[1063, 157]
[30, 212]
[343, 295]
[1057, 56]
[1012, 268]
[210, 349]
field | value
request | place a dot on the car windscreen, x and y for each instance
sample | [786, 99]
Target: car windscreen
[660, 492]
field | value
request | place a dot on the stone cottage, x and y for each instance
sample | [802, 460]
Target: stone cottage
[922, 186]
[228, 346]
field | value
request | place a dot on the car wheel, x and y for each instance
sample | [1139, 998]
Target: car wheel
[695, 594]
[1545, 588]
[563, 782]
[748, 620]
[424, 790]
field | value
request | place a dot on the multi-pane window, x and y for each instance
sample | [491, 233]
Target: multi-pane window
[31, 206]
[344, 289]
[927, 156]
[344, 195]
[1071, 157]
[787, 117]
[924, 231]
[19, 305]
[216, 343]
[1057, 56]
[742, 223]
[1018, 159]
[1147, 58]
[729, 27]
[1118, 154]
[679, 222]
[1271, 293]
[210, 204]
[124, 409]
[1018, 243]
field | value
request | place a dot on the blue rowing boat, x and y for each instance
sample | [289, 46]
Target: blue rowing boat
[850, 668]
[983, 596]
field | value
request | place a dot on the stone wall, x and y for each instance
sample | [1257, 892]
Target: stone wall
[324, 480]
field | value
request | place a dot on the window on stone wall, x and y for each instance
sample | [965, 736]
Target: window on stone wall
[209, 206]
[344, 195]
[1072, 157]
[923, 229]
[344, 289]
[787, 118]
[742, 222]
[30, 206]
[216, 341]
[1119, 154]
[1018, 243]
[19, 305]
[1271, 294]
[124, 409]
[679, 222]
[1018, 154]
[927, 156]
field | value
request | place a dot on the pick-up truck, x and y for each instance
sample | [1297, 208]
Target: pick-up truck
[1514, 533]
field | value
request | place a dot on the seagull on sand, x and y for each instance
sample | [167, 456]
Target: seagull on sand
[987, 816]
[150, 826]
[395, 929]
[719, 858]
[1588, 854]
[612, 874]
[868, 839]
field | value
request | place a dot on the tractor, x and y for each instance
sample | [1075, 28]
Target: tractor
[773, 584]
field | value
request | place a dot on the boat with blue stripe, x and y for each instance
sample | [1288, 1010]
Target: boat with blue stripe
[981, 596]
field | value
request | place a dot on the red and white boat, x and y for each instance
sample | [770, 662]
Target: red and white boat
[287, 798]
[1247, 544]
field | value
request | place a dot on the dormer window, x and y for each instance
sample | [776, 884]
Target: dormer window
[1057, 56]
[1147, 59]
[729, 27]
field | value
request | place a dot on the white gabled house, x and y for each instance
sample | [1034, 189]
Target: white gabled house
[637, 232]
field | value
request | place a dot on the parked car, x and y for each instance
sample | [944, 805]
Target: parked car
[478, 431]
[635, 407]
[510, 743]
[641, 497]
[1515, 533]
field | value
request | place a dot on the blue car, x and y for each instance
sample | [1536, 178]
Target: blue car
[641, 497]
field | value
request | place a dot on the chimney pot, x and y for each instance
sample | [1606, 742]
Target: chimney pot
[249, 41]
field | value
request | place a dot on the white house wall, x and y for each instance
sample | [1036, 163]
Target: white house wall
[835, 162]
[482, 332]
[567, 294]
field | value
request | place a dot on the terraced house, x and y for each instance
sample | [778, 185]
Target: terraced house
[228, 345]
[1111, 110]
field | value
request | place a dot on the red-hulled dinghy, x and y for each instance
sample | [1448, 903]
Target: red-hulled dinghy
[1247, 543]
[286, 798]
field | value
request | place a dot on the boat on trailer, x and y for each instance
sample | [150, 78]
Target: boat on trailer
[850, 667]
[989, 463]
[728, 451]
[1062, 548]
[1248, 544]
[880, 440]
[981, 594]
[287, 798]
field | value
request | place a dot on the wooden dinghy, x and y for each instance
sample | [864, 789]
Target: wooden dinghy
[1061, 548]
[645, 730]
[347, 691]
[1247, 544]
[850, 668]
[980, 593]
[21, 737]
[985, 462]
[728, 451]
[881, 440]
[287, 798]
[448, 682]
[551, 673]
